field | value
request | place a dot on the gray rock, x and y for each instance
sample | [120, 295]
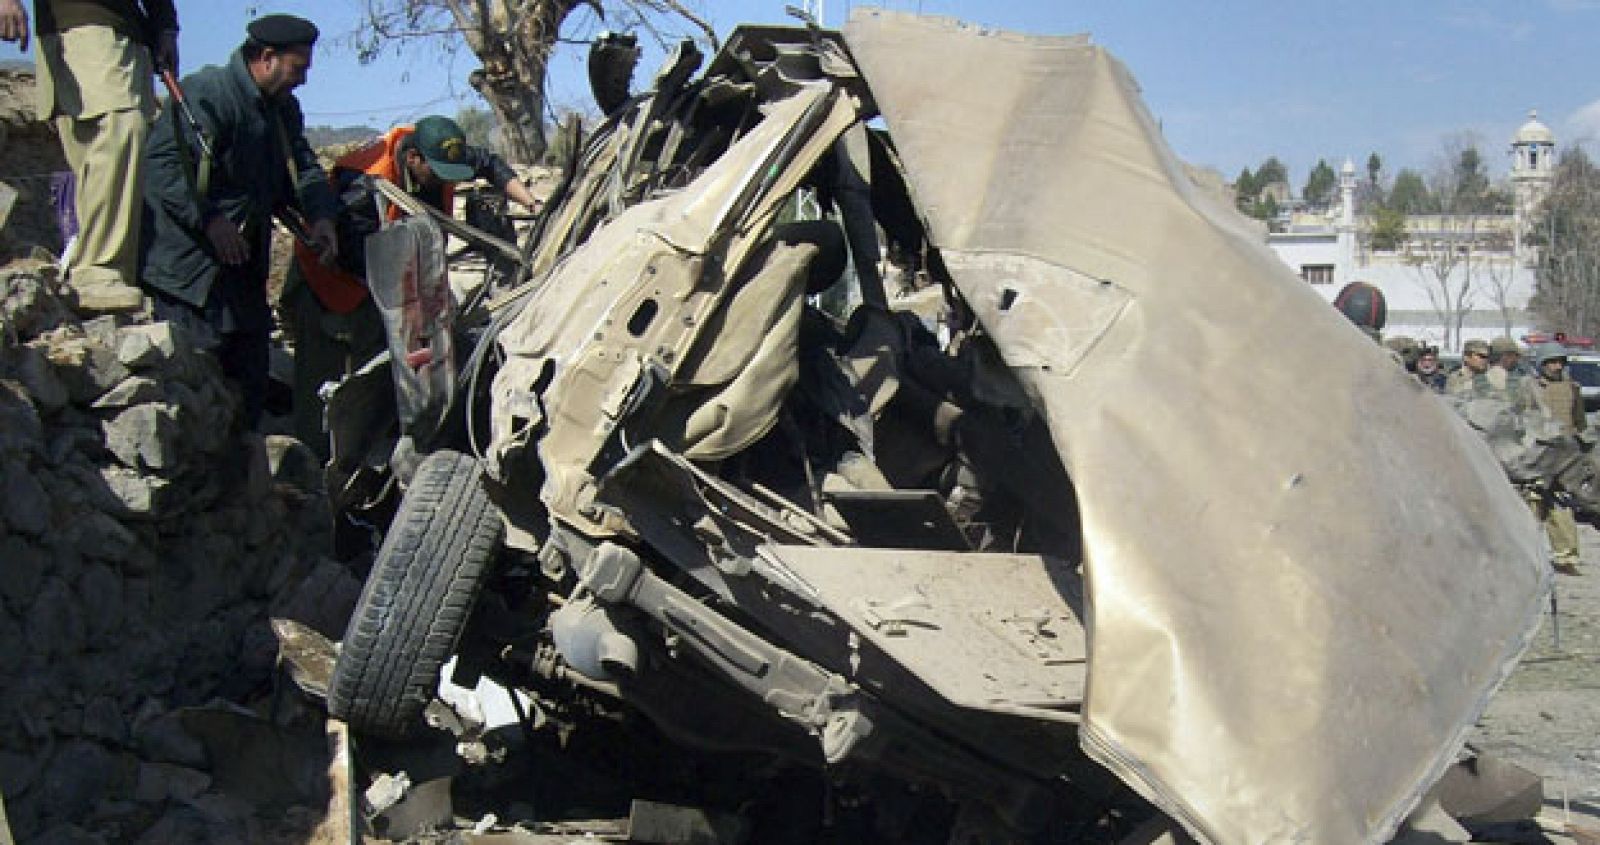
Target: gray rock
[322, 600]
[20, 427]
[293, 464]
[188, 823]
[103, 720]
[28, 306]
[133, 495]
[78, 774]
[55, 625]
[70, 442]
[12, 646]
[162, 738]
[160, 782]
[133, 390]
[144, 436]
[18, 772]
[100, 592]
[146, 346]
[68, 834]
[24, 567]
[100, 536]
[102, 330]
[23, 502]
[140, 561]
[29, 367]
[86, 368]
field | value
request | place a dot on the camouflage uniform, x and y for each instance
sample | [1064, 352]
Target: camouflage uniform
[1558, 403]
[1464, 382]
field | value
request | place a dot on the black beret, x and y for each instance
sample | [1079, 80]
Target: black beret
[282, 31]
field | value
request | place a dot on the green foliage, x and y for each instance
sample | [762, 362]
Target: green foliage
[1265, 208]
[1271, 171]
[1246, 189]
[1320, 184]
[1471, 181]
[1409, 194]
[1388, 229]
[1374, 169]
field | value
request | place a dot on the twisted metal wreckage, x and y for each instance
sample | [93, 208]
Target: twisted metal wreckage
[1081, 561]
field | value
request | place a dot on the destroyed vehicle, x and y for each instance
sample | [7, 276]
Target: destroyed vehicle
[1112, 521]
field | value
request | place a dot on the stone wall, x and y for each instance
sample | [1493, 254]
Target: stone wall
[144, 543]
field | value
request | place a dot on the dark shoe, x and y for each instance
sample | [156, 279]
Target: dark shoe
[1567, 569]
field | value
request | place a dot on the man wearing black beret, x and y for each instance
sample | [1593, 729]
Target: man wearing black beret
[211, 195]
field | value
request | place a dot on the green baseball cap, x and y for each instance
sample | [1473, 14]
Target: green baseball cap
[444, 146]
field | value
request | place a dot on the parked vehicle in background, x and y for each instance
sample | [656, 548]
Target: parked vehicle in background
[1584, 368]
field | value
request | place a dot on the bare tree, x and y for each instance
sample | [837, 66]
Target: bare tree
[1454, 260]
[1443, 259]
[1567, 235]
[1499, 276]
[513, 40]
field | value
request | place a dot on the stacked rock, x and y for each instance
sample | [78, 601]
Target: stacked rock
[144, 543]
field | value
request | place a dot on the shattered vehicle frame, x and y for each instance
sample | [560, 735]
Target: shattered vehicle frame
[977, 554]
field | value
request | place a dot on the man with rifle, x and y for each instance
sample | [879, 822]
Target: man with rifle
[94, 69]
[228, 155]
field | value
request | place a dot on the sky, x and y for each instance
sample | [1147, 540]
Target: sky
[1231, 81]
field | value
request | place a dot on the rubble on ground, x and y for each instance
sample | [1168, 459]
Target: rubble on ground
[146, 543]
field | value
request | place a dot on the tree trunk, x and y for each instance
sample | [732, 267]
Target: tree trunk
[518, 106]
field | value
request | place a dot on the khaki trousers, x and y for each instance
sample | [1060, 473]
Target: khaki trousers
[1560, 526]
[95, 85]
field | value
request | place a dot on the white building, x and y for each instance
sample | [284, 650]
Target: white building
[1475, 264]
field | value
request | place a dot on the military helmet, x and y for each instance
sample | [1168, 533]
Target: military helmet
[1478, 346]
[1549, 351]
[1503, 345]
[1363, 304]
[1401, 344]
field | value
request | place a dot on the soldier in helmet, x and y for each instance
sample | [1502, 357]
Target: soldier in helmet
[1552, 398]
[1472, 378]
[1505, 360]
[1404, 348]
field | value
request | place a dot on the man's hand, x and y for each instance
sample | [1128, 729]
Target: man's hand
[14, 23]
[166, 50]
[519, 193]
[325, 241]
[225, 239]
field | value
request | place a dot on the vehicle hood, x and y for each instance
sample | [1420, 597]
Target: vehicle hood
[1306, 575]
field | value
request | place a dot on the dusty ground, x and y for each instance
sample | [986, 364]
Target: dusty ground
[1547, 716]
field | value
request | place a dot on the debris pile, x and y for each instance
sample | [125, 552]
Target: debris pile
[145, 544]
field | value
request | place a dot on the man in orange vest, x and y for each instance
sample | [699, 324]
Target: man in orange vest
[336, 324]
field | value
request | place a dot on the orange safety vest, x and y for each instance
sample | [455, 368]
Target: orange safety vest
[338, 291]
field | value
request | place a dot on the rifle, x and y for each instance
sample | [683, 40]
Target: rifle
[289, 217]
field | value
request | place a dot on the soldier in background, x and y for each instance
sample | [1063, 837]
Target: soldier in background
[1551, 397]
[1427, 369]
[1505, 367]
[1472, 378]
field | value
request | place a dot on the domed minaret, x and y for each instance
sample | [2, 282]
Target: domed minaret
[1533, 165]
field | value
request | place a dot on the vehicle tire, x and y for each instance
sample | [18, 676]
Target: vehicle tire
[416, 601]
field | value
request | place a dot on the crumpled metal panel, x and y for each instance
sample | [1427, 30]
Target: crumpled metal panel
[1305, 575]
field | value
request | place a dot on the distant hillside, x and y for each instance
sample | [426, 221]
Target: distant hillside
[330, 136]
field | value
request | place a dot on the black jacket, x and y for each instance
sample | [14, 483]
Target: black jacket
[249, 178]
